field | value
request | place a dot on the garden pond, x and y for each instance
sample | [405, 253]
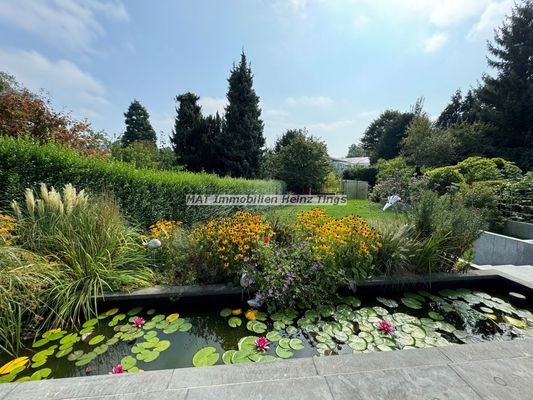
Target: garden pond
[135, 339]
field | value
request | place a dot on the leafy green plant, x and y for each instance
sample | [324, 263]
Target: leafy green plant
[289, 276]
[88, 237]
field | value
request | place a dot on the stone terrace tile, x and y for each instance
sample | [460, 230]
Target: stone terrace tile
[439, 382]
[487, 351]
[507, 379]
[310, 388]
[242, 373]
[179, 394]
[344, 364]
[5, 388]
[103, 385]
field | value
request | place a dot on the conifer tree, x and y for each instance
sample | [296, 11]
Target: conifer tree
[138, 127]
[242, 138]
[507, 96]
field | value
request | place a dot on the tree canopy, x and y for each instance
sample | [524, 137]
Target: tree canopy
[301, 161]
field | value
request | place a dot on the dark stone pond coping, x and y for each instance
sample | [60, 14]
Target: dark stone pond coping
[218, 294]
[495, 370]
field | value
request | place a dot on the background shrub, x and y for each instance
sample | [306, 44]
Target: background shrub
[143, 194]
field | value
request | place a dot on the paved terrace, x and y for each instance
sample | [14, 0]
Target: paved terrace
[496, 370]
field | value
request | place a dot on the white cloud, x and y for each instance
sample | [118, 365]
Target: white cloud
[275, 113]
[320, 127]
[211, 105]
[314, 101]
[491, 18]
[435, 42]
[64, 80]
[64, 23]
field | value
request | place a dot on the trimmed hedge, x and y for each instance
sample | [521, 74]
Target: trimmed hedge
[367, 174]
[145, 195]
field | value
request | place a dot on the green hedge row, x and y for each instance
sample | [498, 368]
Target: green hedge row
[144, 195]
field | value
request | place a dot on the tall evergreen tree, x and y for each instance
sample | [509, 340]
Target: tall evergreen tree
[508, 95]
[185, 142]
[452, 113]
[243, 138]
[138, 127]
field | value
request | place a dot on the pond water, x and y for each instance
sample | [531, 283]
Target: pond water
[170, 337]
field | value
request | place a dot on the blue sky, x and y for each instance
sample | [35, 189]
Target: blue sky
[329, 65]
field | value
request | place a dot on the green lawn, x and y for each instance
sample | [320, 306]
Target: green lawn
[364, 208]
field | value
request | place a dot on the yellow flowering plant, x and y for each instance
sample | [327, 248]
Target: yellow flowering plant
[7, 227]
[348, 243]
[230, 240]
[163, 229]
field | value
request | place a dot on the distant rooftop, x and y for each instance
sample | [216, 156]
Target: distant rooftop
[348, 161]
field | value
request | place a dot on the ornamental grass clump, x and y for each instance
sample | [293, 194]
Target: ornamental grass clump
[24, 279]
[91, 242]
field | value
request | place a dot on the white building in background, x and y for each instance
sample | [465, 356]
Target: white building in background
[342, 163]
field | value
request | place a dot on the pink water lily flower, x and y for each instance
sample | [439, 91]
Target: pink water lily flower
[138, 322]
[262, 343]
[385, 327]
[117, 369]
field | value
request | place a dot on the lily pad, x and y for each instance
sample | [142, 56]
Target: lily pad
[128, 362]
[41, 374]
[226, 312]
[235, 322]
[162, 345]
[100, 349]
[97, 339]
[296, 344]
[241, 356]
[515, 322]
[292, 330]
[226, 357]
[63, 353]
[357, 343]
[75, 355]
[256, 327]
[90, 323]
[39, 343]
[411, 302]
[436, 316]
[387, 302]
[172, 317]
[279, 325]
[247, 343]
[283, 353]
[185, 327]
[273, 336]
[205, 357]
[134, 311]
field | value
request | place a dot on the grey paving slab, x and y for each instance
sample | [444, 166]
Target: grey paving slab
[499, 379]
[309, 388]
[222, 374]
[6, 388]
[439, 382]
[487, 351]
[179, 394]
[104, 385]
[375, 361]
